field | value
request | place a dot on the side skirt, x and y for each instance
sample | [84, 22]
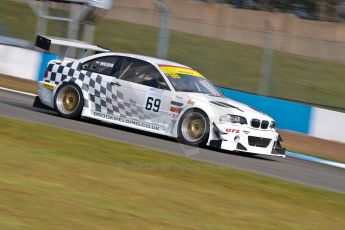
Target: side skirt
[126, 122]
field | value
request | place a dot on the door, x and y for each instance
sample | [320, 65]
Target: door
[145, 93]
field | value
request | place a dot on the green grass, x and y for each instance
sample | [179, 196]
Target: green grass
[227, 64]
[57, 179]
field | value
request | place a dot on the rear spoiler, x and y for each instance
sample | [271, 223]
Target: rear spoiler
[62, 47]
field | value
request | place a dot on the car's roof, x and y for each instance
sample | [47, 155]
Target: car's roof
[158, 61]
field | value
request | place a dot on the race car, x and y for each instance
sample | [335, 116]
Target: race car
[157, 96]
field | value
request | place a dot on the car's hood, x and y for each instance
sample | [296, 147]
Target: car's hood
[224, 105]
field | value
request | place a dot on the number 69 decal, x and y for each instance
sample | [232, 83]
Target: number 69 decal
[153, 104]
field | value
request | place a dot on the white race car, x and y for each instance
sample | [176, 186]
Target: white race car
[157, 96]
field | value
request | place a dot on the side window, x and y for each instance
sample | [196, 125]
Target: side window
[141, 72]
[102, 65]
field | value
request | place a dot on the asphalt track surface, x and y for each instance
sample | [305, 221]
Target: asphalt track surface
[18, 106]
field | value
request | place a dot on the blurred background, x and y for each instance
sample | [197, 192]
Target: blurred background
[279, 48]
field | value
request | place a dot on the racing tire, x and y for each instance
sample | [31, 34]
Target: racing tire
[193, 128]
[68, 100]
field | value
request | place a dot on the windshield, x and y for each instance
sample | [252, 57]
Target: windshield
[188, 80]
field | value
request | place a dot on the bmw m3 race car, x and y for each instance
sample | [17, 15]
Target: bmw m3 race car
[156, 96]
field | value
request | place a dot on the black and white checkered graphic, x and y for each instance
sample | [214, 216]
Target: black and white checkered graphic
[104, 97]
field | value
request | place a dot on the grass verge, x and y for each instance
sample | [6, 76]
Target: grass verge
[57, 179]
[325, 149]
[227, 64]
[18, 84]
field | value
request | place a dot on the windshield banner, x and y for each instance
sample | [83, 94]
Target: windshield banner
[174, 71]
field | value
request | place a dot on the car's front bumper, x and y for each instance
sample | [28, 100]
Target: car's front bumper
[46, 93]
[246, 139]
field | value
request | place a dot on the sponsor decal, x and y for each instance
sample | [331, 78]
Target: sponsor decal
[127, 121]
[176, 103]
[246, 132]
[173, 116]
[48, 85]
[174, 75]
[232, 131]
[175, 110]
[190, 102]
[156, 91]
[105, 64]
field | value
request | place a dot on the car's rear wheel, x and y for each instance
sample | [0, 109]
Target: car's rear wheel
[194, 128]
[69, 101]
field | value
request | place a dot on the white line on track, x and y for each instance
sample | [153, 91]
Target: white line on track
[315, 159]
[19, 92]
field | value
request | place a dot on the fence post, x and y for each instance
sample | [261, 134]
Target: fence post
[266, 69]
[42, 23]
[73, 25]
[164, 28]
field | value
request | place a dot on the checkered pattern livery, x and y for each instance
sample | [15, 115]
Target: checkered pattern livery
[103, 97]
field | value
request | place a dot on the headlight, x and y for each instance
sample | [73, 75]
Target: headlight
[235, 119]
[273, 125]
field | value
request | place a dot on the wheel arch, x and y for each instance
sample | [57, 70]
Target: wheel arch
[195, 108]
[205, 109]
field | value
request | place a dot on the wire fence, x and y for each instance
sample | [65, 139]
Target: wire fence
[270, 53]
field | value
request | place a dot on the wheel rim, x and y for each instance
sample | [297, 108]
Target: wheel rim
[68, 100]
[193, 127]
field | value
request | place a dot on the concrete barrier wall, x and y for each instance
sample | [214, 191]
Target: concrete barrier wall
[298, 117]
[288, 115]
[327, 124]
[306, 119]
[19, 62]
[290, 34]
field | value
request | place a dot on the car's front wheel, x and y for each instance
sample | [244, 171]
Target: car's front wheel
[194, 128]
[68, 101]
